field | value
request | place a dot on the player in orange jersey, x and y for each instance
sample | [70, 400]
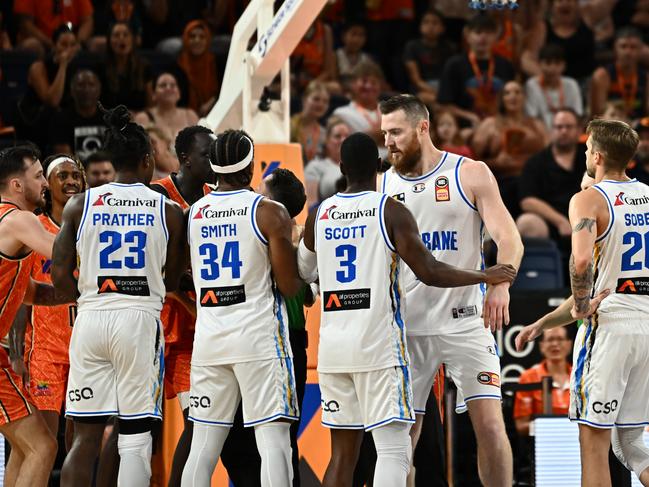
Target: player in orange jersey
[48, 337]
[179, 312]
[22, 190]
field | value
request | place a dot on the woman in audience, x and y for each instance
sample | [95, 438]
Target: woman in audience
[199, 66]
[165, 161]
[47, 86]
[322, 173]
[127, 77]
[165, 113]
[305, 126]
[505, 141]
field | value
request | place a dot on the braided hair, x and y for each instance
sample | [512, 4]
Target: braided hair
[229, 148]
[125, 141]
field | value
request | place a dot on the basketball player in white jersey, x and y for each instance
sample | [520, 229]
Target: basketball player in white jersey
[358, 237]
[127, 241]
[610, 250]
[243, 261]
[453, 200]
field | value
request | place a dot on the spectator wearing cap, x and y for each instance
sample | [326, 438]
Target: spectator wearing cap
[472, 82]
[640, 169]
[38, 19]
[550, 91]
[624, 80]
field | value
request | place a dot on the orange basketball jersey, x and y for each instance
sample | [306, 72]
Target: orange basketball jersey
[48, 337]
[14, 279]
[178, 324]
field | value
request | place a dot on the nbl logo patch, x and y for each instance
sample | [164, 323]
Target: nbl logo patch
[441, 189]
[130, 286]
[636, 285]
[346, 300]
[489, 379]
[214, 297]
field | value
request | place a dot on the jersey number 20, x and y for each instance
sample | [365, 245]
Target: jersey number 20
[636, 240]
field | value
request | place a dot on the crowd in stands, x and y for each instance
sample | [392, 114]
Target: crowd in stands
[512, 88]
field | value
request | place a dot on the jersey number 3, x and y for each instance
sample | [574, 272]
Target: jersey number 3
[347, 254]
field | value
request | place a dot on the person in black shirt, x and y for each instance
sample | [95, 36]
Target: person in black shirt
[425, 57]
[80, 128]
[549, 179]
[471, 82]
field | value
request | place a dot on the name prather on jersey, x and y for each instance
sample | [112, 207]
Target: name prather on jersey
[211, 297]
[134, 241]
[348, 299]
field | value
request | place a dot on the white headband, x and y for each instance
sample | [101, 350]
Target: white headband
[57, 162]
[234, 167]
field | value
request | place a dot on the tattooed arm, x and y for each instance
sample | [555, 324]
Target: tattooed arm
[587, 209]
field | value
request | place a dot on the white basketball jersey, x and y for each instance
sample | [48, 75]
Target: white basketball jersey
[452, 230]
[621, 255]
[361, 325]
[241, 315]
[122, 248]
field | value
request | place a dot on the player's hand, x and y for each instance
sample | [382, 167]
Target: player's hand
[500, 273]
[527, 334]
[594, 304]
[495, 312]
[18, 364]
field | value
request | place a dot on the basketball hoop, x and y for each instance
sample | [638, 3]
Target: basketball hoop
[493, 4]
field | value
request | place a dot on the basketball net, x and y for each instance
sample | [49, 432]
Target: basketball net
[493, 4]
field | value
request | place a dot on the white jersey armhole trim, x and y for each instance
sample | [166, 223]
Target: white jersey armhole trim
[611, 214]
[163, 216]
[315, 227]
[86, 207]
[253, 220]
[190, 212]
[459, 184]
[388, 242]
[384, 176]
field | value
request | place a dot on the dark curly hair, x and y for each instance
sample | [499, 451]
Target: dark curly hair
[125, 141]
[229, 148]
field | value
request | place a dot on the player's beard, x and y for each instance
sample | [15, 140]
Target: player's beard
[35, 197]
[407, 160]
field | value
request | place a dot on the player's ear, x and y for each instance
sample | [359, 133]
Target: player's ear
[424, 127]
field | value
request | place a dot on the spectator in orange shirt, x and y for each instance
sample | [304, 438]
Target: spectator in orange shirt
[37, 20]
[555, 347]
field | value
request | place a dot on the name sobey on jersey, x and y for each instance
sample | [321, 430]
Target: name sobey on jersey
[632, 218]
[211, 297]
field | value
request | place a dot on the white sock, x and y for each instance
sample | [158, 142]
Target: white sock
[393, 452]
[274, 445]
[134, 460]
[207, 443]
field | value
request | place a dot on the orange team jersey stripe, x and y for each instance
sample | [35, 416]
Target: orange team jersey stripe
[177, 322]
[48, 339]
[14, 279]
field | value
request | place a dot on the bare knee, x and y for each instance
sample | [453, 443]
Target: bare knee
[532, 226]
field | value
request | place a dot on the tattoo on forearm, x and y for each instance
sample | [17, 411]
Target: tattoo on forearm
[586, 223]
[582, 285]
